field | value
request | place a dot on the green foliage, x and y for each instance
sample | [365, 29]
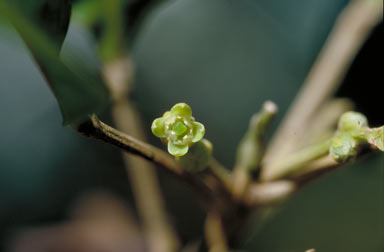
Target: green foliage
[111, 44]
[114, 22]
[179, 129]
[78, 93]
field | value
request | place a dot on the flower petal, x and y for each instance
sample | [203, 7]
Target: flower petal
[182, 109]
[177, 150]
[158, 127]
[179, 128]
[198, 132]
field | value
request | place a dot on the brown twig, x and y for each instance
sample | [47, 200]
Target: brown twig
[96, 129]
[314, 171]
[211, 190]
[271, 193]
[215, 233]
[323, 166]
[147, 192]
[221, 174]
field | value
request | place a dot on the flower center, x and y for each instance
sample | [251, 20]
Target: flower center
[179, 128]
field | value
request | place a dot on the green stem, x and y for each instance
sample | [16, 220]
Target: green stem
[251, 148]
[112, 41]
[221, 173]
[297, 161]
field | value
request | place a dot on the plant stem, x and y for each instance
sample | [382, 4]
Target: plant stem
[214, 233]
[348, 35]
[221, 173]
[323, 124]
[159, 233]
[270, 193]
[118, 73]
[111, 44]
[322, 166]
[101, 131]
[251, 148]
[315, 170]
[296, 161]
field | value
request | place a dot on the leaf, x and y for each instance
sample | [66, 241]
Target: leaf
[78, 93]
[177, 150]
[51, 15]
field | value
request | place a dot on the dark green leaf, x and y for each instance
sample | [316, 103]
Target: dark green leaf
[51, 15]
[78, 93]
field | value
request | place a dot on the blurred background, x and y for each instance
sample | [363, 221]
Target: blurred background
[222, 57]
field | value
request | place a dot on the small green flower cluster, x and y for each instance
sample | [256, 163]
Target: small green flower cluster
[179, 129]
[353, 131]
[348, 136]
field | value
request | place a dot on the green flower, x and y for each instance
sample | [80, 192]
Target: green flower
[179, 129]
[343, 147]
[352, 132]
[352, 122]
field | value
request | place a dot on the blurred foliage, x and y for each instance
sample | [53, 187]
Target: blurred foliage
[105, 15]
[95, 15]
[224, 58]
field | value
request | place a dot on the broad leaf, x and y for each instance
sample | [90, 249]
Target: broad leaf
[51, 15]
[78, 93]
